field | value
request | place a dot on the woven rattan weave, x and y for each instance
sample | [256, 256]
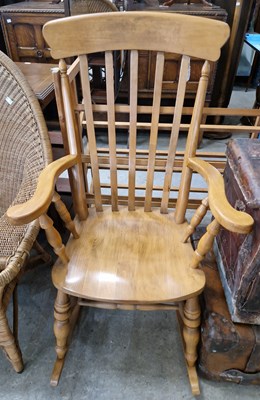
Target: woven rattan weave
[24, 151]
[91, 6]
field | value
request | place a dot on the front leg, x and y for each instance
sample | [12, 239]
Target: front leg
[191, 336]
[62, 311]
[8, 340]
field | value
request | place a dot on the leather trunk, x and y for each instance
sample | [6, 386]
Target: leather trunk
[228, 351]
[238, 256]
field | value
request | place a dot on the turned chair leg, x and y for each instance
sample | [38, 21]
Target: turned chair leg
[62, 312]
[9, 344]
[191, 336]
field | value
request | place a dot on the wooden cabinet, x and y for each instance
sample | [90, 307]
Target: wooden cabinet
[22, 27]
[147, 63]
[238, 18]
[239, 255]
[172, 63]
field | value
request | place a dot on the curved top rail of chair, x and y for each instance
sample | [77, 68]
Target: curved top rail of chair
[200, 37]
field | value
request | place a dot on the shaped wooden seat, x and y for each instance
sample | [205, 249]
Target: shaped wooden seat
[129, 257]
[128, 248]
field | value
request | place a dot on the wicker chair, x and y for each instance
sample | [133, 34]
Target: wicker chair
[91, 6]
[25, 151]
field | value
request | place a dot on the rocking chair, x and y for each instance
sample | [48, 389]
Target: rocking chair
[129, 249]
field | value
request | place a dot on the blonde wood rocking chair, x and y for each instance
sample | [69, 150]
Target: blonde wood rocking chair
[130, 251]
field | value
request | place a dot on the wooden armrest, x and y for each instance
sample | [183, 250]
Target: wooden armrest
[225, 214]
[27, 212]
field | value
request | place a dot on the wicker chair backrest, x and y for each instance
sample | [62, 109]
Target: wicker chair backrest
[24, 151]
[24, 141]
[78, 7]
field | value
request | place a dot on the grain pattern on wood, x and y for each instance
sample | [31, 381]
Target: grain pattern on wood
[225, 214]
[183, 127]
[132, 128]
[205, 243]
[61, 324]
[74, 143]
[131, 257]
[53, 237]
[115, 34]
[128, 307]
[39, 203]
[90, 129]
[192, 144]
[196, 219]
[239, 255]
[64, 214]
[111, 127]
[154, 129]
[254, 135]
[72, 186]
[62, 312]
[184, 72]
[144, 109]
[191, 321]
[134, 258]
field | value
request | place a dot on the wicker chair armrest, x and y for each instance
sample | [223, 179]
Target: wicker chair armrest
[27, 212]
[225, 214]
[13, 268]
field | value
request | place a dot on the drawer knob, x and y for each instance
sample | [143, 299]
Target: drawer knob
[39, 53]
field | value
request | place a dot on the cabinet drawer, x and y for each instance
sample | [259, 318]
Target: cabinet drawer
[22, 25]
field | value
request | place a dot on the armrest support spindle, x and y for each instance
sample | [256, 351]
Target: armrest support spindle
[196, 219]
[53, 237]
[205, 243]
[65, 215]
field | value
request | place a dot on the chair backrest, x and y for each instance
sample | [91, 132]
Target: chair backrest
[160, 34]
[24, 142]
[78, 7]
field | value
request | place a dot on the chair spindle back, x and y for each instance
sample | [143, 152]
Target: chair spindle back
[133, 32]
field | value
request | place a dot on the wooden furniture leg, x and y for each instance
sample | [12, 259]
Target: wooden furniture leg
[65, 314]
[61, 331]
[191, 335]
[7, 340]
